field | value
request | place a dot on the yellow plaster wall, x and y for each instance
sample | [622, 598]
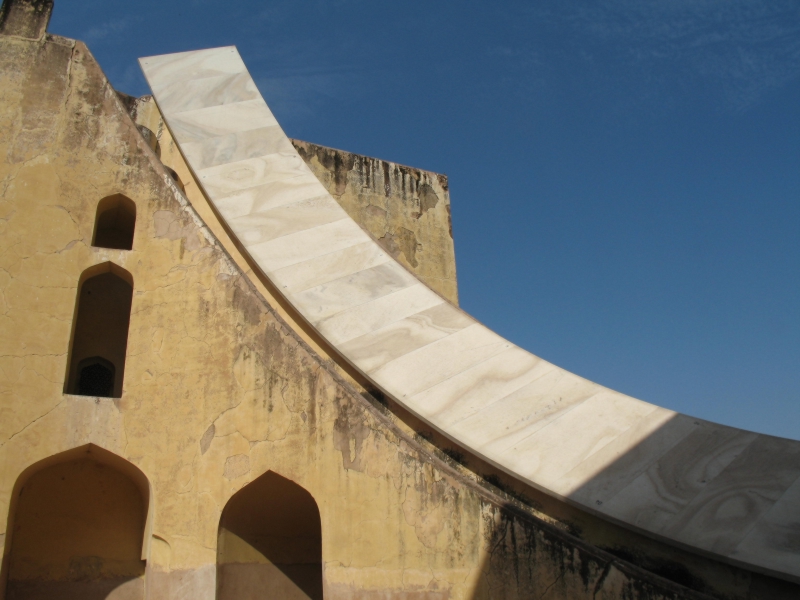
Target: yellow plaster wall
[217, 390]
[77, 519]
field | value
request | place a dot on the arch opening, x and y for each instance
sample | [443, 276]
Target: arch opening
[175, 178]
[270, 542]
[100, 333]
[115, 223]
[151, 139]
[76, 529]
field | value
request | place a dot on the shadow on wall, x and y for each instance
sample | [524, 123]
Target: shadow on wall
[76, 527]
[683, 479]
[527, 560]
[270, 543]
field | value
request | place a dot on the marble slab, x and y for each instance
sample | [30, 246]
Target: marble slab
[233, 178]
[269, 195]
[380, 346]
[233, 147]
[166, 69]
[479, 386]
[626, 457]
[334, 265]
[732, 504]
[576, 436]
[501, 425]
[730, 493]
[353, 290]
[378, 313]
[307, 244]
[437, 362]
[654, 498]
[265, 225]
[776, 542]
[208, 91]
[214, 121]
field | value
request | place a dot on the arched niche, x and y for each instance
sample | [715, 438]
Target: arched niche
[270, 543]
[96, 363]
[76, 528]
[114, 223]
[175, 178]
[151, 139]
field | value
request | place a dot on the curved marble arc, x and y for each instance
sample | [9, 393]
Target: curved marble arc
[724, 492]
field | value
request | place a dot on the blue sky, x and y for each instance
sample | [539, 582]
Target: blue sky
[624, 175]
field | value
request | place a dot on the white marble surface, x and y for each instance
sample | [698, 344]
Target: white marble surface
[730, 493]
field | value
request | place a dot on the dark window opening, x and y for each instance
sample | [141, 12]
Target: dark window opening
[100, 334]
[115, 223]
[95, 378]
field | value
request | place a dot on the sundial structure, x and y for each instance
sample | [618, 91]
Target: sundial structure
[232, 366]
[703, 485]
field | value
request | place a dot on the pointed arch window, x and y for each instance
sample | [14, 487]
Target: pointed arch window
[77, 528]
[115, 223]
[270, 542]
[100, 332]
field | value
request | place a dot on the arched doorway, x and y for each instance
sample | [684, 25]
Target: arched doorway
[100, 333]
[270, 543]
[76, 529]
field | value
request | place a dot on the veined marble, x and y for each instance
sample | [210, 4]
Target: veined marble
[729, 493]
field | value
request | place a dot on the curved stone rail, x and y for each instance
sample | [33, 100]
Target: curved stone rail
[724, 492]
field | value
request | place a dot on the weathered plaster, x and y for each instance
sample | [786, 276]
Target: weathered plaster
[406, 210]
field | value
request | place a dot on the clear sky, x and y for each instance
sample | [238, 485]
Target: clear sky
[624, 174]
